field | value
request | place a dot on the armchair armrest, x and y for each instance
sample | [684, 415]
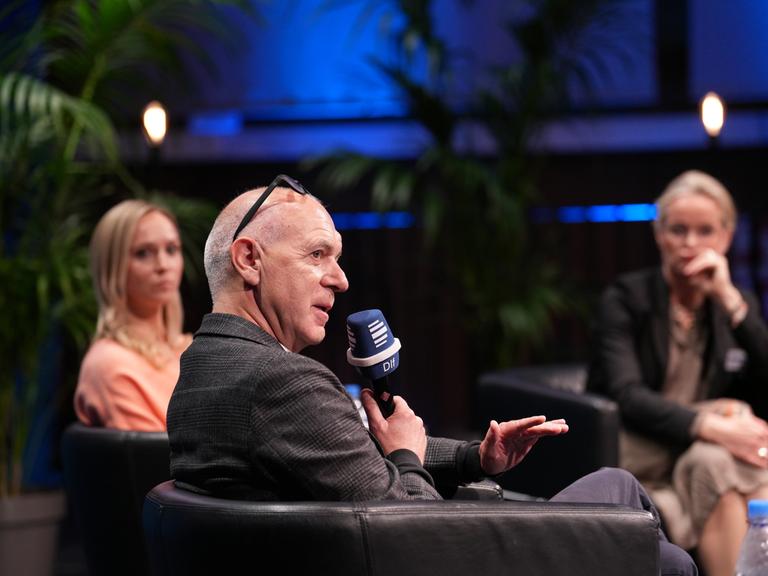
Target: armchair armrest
[483, 490]
[554, 463]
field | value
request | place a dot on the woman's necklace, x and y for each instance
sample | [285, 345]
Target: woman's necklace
[684, 317]
[685, 326]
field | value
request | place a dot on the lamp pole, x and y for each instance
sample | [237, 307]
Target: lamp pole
[154, 123]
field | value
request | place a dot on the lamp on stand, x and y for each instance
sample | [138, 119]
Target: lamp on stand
[745, 244]
[154, 123]
[712, 117]
[712, 110]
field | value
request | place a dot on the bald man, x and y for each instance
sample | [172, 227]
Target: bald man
[251, 418]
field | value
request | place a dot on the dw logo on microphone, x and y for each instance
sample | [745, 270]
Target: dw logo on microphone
[379, 332]
[390, 364]
[373, 349]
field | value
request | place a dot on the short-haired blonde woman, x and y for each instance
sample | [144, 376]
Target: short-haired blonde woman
[684, 353]
[129, 371]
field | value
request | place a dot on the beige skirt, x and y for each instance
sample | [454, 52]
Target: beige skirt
[686, 489]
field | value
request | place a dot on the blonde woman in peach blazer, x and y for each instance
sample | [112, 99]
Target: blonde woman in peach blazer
[129, 371]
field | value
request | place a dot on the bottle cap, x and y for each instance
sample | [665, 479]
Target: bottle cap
[758, 508]
[353, 390]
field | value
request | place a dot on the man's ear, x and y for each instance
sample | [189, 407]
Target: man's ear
[245, 254]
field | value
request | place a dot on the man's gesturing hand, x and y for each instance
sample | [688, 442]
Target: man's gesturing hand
[506, 444]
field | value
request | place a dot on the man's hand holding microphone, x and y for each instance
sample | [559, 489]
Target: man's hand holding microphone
[374, 352]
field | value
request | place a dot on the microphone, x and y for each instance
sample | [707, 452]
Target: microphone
[374, 352]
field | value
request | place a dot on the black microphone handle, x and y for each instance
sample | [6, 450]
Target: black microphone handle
[383, 397]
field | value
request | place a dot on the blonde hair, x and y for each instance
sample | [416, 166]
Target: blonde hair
[697, 182]
[109, 252]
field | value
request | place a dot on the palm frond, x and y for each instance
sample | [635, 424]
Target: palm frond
[34, 112]
[341, 170]
[91, 46]
[426, 105]
[59, 166]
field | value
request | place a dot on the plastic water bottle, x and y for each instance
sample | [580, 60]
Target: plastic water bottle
[753, 557]
[354, 391]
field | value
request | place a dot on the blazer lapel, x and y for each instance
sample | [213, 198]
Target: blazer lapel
[660, 321]
[716, 348]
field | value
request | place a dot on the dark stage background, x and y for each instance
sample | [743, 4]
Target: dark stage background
[388, 269]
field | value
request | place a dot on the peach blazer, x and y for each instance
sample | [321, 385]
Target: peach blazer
[119, 388]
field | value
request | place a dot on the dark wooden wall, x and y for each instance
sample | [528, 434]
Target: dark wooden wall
[388, 270]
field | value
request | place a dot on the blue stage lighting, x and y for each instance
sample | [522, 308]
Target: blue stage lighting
[637, 212]
[572, 214]
[602, 213]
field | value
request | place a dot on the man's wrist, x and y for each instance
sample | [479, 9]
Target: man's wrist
[469, 457]
[408, 462]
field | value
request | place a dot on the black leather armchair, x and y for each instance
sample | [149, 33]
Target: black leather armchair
[556, 391]
[107, 474]
[189, 534]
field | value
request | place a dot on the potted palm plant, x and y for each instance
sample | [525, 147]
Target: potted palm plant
[59, 167]
[473, 204]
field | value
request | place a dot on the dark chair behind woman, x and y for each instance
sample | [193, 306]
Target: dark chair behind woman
[107, 473]
[557, 391]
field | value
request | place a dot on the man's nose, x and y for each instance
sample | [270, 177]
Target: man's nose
[337, 279]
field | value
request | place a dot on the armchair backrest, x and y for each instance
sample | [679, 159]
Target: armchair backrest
[556, 391]
[107, 474]
[571, 377]
[190, 534]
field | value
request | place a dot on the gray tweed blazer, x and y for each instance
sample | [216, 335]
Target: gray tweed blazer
[248, 419]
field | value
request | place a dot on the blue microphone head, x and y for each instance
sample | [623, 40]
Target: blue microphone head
[373, 350]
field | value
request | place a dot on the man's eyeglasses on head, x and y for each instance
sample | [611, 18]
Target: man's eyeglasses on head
[291, 183]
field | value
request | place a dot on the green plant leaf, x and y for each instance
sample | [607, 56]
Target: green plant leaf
[477, 209]
[60, 169]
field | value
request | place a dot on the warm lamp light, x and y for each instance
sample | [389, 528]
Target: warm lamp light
[712, 114]
[155, 122]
